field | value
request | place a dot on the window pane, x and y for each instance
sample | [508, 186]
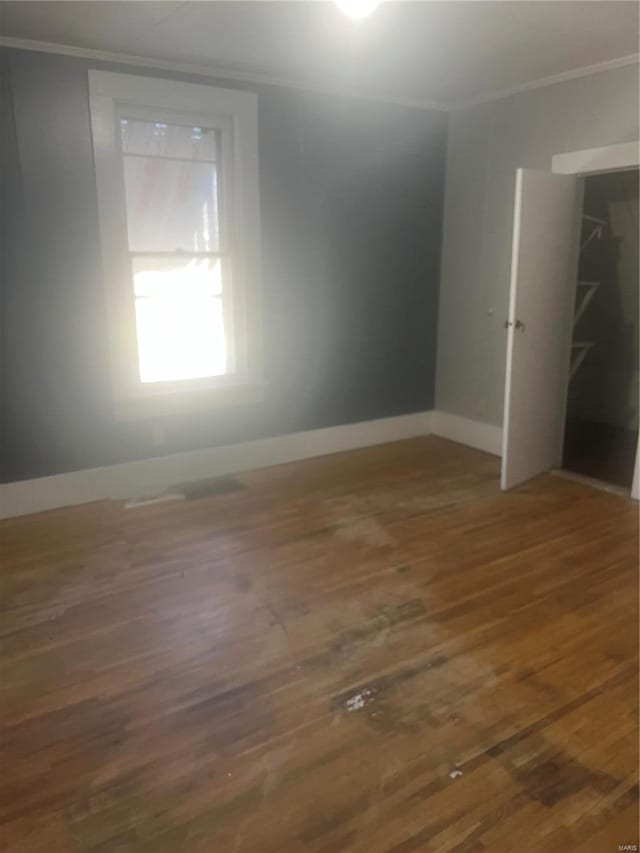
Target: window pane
[179, 318]
[155, 138]
[171, 204]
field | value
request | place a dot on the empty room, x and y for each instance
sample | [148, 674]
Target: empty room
[319, 403]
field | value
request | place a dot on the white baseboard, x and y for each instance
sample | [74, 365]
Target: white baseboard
[130, 478]
[473, 433]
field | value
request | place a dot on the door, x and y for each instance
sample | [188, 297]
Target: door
[543, 272]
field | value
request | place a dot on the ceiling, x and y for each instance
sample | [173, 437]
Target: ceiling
[433, 53]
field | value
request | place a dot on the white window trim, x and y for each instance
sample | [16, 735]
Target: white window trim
[108, 93]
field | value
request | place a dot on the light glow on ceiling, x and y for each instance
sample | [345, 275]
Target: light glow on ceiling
[357, 8]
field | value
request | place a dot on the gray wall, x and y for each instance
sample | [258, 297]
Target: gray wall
[351, 197]
[486, 145]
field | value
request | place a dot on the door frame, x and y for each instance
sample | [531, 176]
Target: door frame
[594, 161]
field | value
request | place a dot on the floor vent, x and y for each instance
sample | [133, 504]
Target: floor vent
[210, 488]
[186, 492]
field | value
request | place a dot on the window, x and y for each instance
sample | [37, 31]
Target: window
[176, 170]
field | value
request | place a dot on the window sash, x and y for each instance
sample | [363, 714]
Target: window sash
[229, 301]
[224, 164]
[228, 317]
[172, 139]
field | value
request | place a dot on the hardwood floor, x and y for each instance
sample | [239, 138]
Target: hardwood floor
[373, 651]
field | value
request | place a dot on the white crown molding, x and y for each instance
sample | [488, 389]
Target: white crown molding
[291, 83]
[133, 478]
[543, 82]
[211, 71]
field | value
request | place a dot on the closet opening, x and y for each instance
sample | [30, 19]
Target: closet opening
[601, 423]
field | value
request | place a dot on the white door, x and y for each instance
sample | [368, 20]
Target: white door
[543, 273]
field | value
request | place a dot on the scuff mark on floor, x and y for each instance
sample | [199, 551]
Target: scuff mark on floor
[362, 530]
[358, 701]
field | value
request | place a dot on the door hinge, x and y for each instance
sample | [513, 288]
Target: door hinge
[518, 325]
